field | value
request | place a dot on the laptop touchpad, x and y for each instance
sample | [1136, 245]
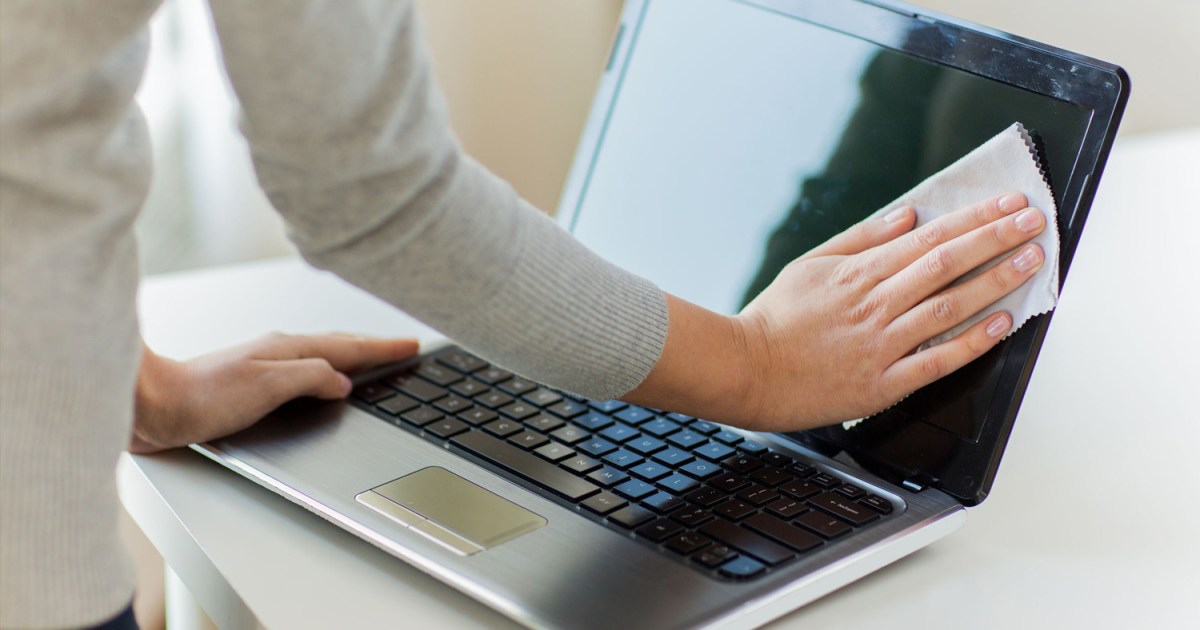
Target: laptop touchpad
[451, 510]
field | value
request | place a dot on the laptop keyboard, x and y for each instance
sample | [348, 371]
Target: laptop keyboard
[723, 504]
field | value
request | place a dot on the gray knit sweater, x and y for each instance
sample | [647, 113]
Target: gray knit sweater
[350, 142]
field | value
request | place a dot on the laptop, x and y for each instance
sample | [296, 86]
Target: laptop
[727, 138]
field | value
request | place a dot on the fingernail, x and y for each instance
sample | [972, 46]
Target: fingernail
[998, 327]
[1012, 202]
[1026, 260]
[897, 214]
[347, 384]
[1029, 221]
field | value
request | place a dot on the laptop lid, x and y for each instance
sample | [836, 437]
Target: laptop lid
[729, 137]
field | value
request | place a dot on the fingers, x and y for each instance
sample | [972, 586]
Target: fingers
[889, 258]
[345, 353]
[867, 234]
[951, 260]
[955, 305]
[918, 370]
[305, 377]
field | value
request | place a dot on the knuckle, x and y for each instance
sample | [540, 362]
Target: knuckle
[938, 262]
[944, 309]
[931, 366]
[1000, 281]
[931, 234]
[848, 274]
[998, 235]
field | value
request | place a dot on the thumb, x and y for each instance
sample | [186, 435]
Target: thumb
[308, 377]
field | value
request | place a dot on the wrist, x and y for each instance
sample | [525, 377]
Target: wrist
[154, 402]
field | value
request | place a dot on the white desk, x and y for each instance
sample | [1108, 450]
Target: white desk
[1093, 521]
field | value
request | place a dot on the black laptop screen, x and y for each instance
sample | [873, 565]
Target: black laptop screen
[740, 138]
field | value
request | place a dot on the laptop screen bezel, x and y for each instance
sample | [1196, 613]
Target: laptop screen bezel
[1100, 87]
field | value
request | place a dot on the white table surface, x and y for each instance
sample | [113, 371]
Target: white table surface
[1093, 520]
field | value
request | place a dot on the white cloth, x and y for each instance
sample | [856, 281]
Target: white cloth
[1006, 163]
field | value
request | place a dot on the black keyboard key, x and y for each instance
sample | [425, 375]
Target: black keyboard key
[477, 416]
[692, 516]
[631, 516]
[604, 503]
[844, 508]
[607, 406]
[824, 480]
[659, 427]
[850, 490]
[593, 421]
[568, 409]
[677, 483]
[758, 495]
[663, 502]
[770, 476]
[823, 524]
[453, 404]
[622, 458]
[469, 388]
[734, 509]
[525, 465]
[783, 532]
[650, 471]
[787, 508]
[877, 503]
[673, 457]
[747, 542]
[554, 452]
[777, 459]
[596, 447]
[802, 470]
[493, 400]
[608, 477]
[620, 433]
[728, 482]
[687, 439]
[701, 469]
[461, 361]
[528, 440]
[439, 374]
[581, 464]
[421, 389]
[714, 556]
[447, 427]
[646, 445]
[741, 568]
[570, 435]
[727, 437]
[753, 448]
[542, 397]
[705, 497]
[544, 423]
[687, 543]
[398, 404]
[372, 392]
[713, 451]
[493, 375]
[518, 386]
[799, 489]
[633, 415]
[421, 416]
[658, 530]
[635, 489]
[502, 427]
[518, 410]
[741, 463]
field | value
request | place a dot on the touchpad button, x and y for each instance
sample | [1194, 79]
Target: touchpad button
[452, 510]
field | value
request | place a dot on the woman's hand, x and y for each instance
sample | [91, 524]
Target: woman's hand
[217, 394]
[833, 337]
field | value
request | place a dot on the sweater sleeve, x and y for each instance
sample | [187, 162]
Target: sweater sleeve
[351, 143]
